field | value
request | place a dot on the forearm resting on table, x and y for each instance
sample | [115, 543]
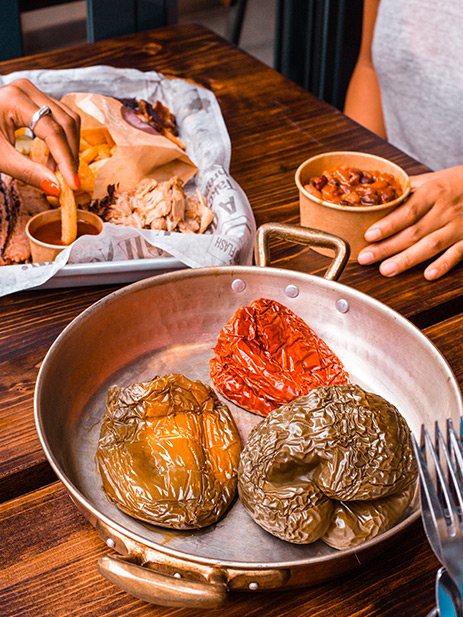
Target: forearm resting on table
[363, 100]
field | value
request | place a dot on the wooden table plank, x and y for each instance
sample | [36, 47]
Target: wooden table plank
[29, 324]
[446, 336]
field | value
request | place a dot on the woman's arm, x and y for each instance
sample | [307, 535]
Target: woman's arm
[430, 223]
[363, 98]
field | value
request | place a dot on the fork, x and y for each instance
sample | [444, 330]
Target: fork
[442, 500]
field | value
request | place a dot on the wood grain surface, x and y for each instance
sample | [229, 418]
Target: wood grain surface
[49, 550]
[49, 568]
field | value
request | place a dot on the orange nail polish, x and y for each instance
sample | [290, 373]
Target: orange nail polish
[50, 187]
[77, 181]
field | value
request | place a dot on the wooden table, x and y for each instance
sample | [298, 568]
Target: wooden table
[49, 551]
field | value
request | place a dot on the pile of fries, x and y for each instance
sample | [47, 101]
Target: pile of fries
[95, 148]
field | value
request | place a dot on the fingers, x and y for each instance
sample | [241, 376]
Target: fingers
[18, 166]
[428, 247]
[51, 130]
[60, 130]
[445, 262]
[430, 223]
[402, 217]
[403, 228]
[400, 253]
[417, 238]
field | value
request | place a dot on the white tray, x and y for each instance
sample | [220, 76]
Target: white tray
[111, 272]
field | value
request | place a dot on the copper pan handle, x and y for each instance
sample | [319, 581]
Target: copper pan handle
[302, 235]
[159, 588]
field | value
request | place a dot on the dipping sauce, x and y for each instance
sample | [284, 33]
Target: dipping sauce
[349, 186]
[50, 232]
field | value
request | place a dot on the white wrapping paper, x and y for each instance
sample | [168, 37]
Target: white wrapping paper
[203, 131]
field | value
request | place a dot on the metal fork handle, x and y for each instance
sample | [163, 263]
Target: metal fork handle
[446, 583]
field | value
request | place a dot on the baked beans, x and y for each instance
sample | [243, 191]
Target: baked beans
[349, 186]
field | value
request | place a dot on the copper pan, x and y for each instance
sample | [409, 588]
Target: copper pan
[169, 323]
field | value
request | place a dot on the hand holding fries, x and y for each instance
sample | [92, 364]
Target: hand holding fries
[20, 101]
[96, 147]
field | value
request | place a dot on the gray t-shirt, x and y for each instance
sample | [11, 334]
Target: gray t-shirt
[418, 56]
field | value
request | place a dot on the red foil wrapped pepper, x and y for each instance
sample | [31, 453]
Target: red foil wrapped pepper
[267, 356]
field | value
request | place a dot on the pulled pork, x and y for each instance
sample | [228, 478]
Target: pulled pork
[156, 205]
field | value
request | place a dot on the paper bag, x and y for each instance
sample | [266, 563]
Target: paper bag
[141, 152]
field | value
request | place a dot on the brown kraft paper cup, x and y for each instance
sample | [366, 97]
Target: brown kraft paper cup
[348, 222]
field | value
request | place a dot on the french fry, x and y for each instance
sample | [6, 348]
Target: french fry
[104, 152]
[22, 143]
[96, 153]
[89, 154]
[86, 177]
[39, 151]
[68, 211]
[84, 144]
[82, 198]
[53, 201]
[97, 136]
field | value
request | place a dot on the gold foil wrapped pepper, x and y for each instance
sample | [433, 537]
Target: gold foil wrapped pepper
[168, 452]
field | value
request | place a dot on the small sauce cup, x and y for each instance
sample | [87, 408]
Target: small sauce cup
[44, 229]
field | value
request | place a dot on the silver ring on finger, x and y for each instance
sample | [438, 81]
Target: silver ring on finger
[43, 111]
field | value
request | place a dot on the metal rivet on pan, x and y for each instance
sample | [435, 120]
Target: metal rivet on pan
[238, 285]
[177, 575]
[292, 291]
[110, 542]
[253, 586]
[342, 306]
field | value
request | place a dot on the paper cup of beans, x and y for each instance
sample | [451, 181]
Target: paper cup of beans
[345, 192]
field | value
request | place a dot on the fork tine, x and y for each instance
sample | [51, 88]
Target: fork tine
[431, 508]
[427, 481]
[441, 487]
[456, 467]
[449, 508]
